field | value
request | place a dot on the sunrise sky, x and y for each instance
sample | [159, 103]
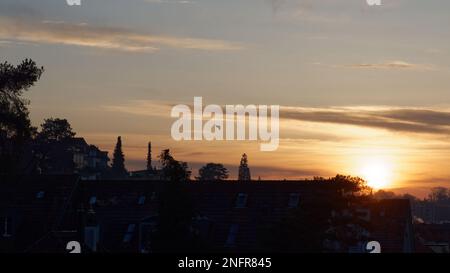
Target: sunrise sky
[363, 90]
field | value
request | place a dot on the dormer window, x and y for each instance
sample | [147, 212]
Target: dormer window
[129, 234]
[294, 200]
[6, 227]
[141, 200]
[241, 200]
[232, 234]
[93, 200]
[91, 237]
[40, 195]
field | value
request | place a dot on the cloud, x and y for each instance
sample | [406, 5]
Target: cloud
[409, 120]
[84, 35]
[395, 119]
[387, 65]
[6, 43]
[142, 108]
[391, 65]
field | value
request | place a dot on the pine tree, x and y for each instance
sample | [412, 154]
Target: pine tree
[118, 164]
[149, 157]
[244, 170]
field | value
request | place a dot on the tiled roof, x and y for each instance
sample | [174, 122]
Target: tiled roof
[67, 205]
[37, 207]
[392, 221]
[433, 234]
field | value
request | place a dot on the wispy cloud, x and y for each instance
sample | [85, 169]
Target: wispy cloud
[8, 43]
[408, 120]
[394, 119]
[392, 65]
[51, 32]
[142, 108]
[386, 65]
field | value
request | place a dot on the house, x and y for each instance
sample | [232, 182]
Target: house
[154, 174]
[386, 222]
[35, 215]
[392, 225]
[42, 214]
[432, 212]
[434, 237]
[71, 156]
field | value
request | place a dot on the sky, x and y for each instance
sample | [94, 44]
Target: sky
[363, 90]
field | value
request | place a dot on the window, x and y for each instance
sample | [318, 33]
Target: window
[40, 195]
[241, 200]
[91, 237]
[231, 239]
[92, 200]
[6, 226]
[141, 200]
[129, 234]
[294, 199]
[78, 160]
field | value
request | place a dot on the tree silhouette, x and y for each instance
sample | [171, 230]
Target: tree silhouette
[55, 129]
[149, 157]
[318, 222]
[175, 208]
[172, 169]
[212, 172]
[118, 164]
[244, 170]
[15, 125]
[439, 194]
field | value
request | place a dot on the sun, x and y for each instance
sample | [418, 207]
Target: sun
[377, 173]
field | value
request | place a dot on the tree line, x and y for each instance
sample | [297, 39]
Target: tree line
[16, 131]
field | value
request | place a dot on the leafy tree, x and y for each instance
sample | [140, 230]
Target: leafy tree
[383, 194]
[15, 125]
[212, 172]
[118, 163]
[53, 132]
[351, 185]
[410, 197]
[55, 129]
[302, 230]
[439, 194]
[172, 169]
[320, 221]
[175, 208]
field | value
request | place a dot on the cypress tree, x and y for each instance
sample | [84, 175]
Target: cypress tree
[244, 170]
[118, 164]
[149, 157]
